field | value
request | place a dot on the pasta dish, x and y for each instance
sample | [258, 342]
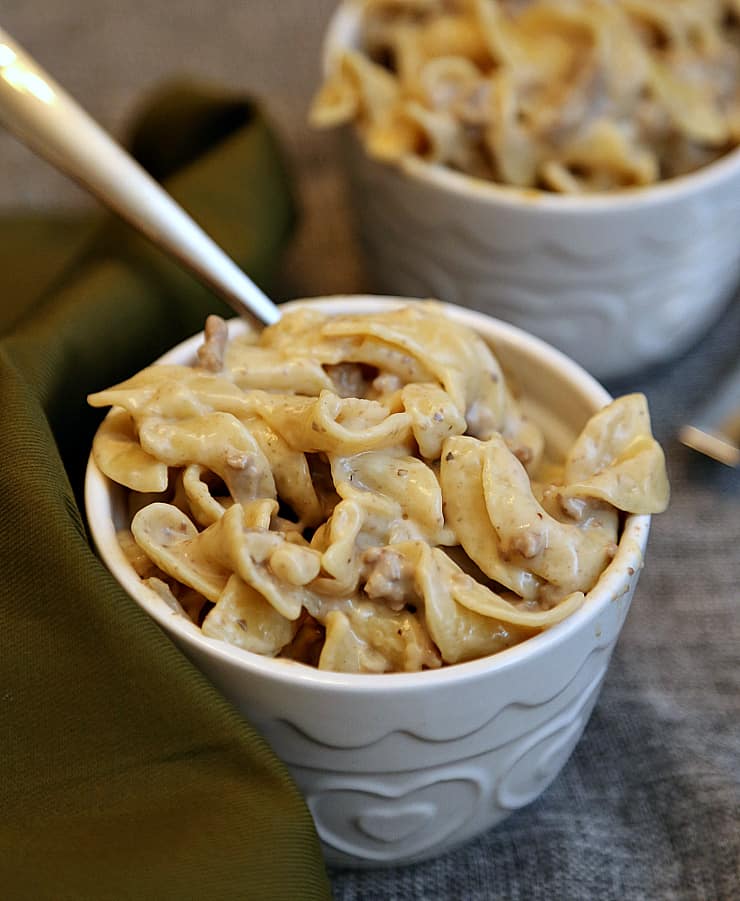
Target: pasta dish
[569, 96]
[363, 493]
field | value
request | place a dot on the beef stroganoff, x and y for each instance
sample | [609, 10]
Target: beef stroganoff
[570, 96]
[363, 493]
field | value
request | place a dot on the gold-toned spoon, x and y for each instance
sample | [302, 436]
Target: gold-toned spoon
[39, 112]
[714, 430]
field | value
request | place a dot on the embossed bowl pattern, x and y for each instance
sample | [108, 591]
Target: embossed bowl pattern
[400, 767]
[616, 281]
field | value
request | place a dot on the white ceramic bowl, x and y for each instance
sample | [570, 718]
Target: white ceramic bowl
[399, 767]
[616, 281]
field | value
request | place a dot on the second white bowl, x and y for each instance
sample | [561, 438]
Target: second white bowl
[616, 281]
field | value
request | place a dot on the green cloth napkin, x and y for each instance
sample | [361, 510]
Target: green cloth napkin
[123, 773]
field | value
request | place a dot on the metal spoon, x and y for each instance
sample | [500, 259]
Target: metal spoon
[39, 112]
[714, 429]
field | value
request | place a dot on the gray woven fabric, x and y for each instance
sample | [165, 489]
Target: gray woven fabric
[649, 805]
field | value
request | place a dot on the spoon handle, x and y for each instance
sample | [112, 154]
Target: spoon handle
[39, 112]
[714, 429]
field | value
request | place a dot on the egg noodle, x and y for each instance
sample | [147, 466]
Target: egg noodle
[363, 493]
[569, 96]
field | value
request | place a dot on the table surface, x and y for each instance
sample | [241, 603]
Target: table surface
[648, 805]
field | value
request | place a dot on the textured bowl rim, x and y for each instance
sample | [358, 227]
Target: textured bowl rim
[613, 583]
[343, 25]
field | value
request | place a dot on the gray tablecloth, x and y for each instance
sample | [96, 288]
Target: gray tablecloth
[648, 807]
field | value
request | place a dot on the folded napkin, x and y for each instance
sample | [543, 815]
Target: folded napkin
[123, 773]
